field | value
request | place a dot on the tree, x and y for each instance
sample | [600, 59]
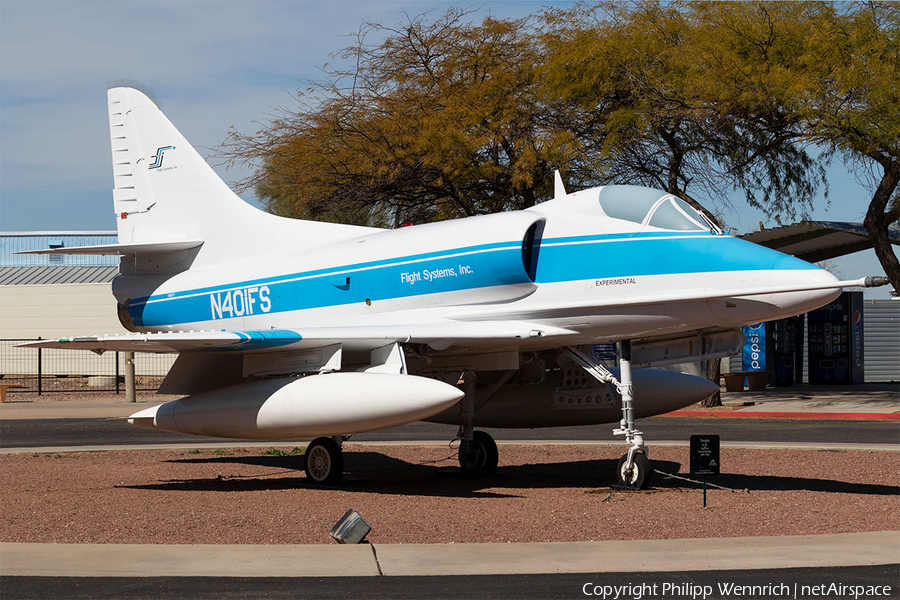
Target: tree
[444, 118]
[440, 119]
[851, 105]
[688, 97]
[663, 107]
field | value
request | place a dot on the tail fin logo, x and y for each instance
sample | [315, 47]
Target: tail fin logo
[158, 157]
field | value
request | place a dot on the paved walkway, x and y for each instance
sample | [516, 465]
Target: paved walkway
[869, 398]
[128, 560]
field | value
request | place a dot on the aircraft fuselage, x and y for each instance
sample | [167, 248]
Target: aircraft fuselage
[564, 264]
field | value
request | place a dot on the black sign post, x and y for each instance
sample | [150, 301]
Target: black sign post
[705, 458]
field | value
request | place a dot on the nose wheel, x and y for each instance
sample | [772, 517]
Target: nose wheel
[638, 474]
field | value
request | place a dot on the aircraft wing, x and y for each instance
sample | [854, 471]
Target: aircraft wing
[351, 337]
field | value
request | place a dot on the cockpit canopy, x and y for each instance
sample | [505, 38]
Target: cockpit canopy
[655, 208]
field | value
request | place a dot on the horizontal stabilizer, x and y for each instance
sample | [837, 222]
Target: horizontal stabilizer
[123, 249]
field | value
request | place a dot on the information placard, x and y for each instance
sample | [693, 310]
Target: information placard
[705, 455]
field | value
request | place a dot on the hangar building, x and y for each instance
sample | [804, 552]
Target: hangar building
[51, 296]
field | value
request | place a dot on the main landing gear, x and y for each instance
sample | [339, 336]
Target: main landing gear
[478, 454]
[325, 460]
[634, 469]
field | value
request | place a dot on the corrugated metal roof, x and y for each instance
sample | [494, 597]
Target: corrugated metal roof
[818, 240]
[56, 275]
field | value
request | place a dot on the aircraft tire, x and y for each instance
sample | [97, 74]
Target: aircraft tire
[324, 461]
[483, 457]
[641, 474]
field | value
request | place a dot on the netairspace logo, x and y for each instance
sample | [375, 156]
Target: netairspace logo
[651, 591]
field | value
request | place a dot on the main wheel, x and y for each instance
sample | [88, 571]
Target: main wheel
[324, 461]
[640, 474]
[482, 455]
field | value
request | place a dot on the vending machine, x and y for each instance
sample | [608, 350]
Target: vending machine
[835, 340]
[784, 349]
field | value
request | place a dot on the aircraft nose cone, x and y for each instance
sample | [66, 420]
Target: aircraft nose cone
[790, 271]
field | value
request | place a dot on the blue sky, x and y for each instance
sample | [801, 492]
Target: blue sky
[211, 65]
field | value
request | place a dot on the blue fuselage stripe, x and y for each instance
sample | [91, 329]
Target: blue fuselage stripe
[468, 268]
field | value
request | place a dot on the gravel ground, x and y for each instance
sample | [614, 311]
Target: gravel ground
[409, 495]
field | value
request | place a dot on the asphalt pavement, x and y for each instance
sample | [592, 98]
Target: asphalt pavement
[691, 585]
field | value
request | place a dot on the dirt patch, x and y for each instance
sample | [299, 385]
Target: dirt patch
[409, 495]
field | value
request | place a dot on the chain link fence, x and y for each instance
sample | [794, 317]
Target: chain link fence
[47, 370]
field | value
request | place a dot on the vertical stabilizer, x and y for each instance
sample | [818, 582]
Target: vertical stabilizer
[165, 191]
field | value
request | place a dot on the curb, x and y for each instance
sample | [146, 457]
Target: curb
[133, 560]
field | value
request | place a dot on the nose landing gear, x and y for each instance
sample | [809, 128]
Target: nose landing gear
[634, 469]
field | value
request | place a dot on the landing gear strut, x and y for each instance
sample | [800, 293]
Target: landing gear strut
[634, 470]
[325, 461]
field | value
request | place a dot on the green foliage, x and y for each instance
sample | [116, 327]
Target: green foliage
[439, 120]
[279, 452]
[850, 103]
[850, 95]
[445, 118]
[685, 97]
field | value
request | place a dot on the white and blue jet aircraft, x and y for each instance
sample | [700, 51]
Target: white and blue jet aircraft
[288, 328]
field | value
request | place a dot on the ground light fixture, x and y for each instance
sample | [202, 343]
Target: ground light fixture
[351, 529]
